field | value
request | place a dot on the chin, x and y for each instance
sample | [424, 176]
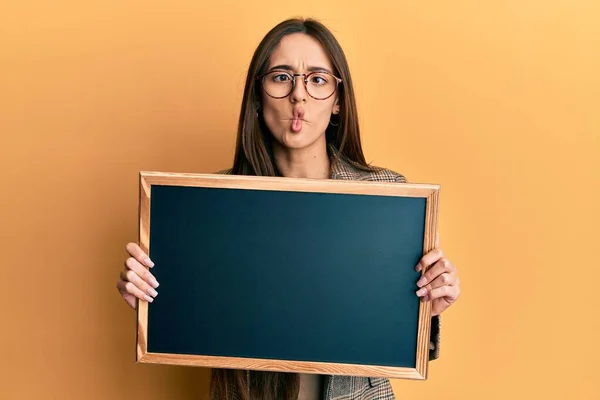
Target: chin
[297, 140]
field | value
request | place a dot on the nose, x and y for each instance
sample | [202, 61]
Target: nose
[299, 91]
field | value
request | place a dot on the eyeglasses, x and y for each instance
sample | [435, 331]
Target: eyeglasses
[319, 85]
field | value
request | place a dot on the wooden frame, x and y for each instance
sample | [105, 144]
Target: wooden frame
[427, 191]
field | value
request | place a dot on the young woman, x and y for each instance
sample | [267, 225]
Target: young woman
[298, 119]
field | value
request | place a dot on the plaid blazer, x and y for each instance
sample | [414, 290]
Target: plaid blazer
[354, 387]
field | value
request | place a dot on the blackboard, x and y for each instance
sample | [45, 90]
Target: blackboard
[285, 274]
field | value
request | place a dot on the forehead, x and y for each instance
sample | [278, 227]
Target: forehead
[300, 51]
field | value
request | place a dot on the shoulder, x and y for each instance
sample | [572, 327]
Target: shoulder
[344, 169]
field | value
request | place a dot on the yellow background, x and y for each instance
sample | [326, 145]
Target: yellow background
[497, 101]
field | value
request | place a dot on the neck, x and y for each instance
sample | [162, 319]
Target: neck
[311, 162]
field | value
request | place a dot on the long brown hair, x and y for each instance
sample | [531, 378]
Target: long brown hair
[253, 153]
[254, 156]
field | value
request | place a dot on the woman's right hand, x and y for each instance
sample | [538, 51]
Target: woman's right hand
[136, 281]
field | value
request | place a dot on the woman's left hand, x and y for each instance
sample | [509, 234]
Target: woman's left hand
[440, 284]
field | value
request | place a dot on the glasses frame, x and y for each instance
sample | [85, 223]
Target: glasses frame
[305, 80]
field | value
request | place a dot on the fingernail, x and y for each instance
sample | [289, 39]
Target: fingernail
[148, 298]
[418, 268]
[148, 262]
[421, 281]
[421, 292]
[153, 282]
[152, 292]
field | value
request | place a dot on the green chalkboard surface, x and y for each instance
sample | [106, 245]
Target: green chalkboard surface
[286, 279]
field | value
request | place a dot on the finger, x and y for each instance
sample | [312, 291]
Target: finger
[129, 299]
[429, 258]
[136, 252]
[132, 301]
[130, 276]
[445, 279]
[133, 265]
[128, 287]
[441, 266]
[450, 293]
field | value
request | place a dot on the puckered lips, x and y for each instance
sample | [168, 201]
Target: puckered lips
[297, 119]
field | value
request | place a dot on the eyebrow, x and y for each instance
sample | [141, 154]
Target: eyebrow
[310, 69]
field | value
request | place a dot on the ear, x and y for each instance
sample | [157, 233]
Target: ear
[336, 107]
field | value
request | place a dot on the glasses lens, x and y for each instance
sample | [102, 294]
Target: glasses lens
[320, 85]
[277, 84]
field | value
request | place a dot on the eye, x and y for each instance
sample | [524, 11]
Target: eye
[280, 77]
[318, 79]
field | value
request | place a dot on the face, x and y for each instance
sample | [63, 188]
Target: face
[298, 120]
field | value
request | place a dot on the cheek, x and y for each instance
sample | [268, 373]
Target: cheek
[323, 115]
[273, 123]
[271, 113]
